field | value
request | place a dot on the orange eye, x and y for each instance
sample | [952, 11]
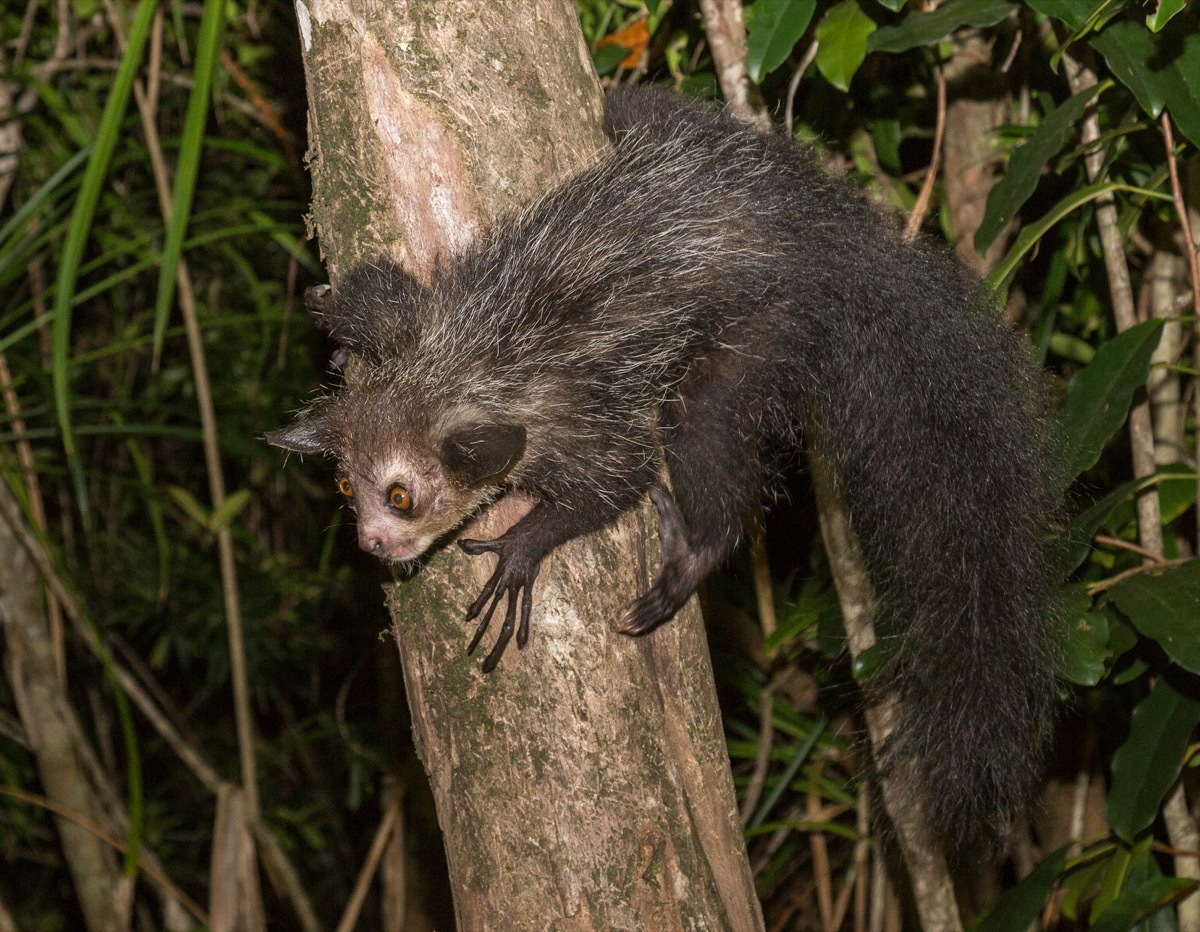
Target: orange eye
[346, 487]
[399, 498]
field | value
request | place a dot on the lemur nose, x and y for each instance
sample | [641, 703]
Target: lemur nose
[370, 544]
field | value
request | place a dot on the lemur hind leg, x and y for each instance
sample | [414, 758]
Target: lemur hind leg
[716, 477]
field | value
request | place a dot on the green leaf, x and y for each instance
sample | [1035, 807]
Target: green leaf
[1127, 48]
[886, 135]
[607, 57]
[1079, 885]
[865, 665]
[190, 505]
[1164, 605]
[1113, 877]
[1030, 236]
[1162, 70]
[230, 509]
[1074, 13]
[1021, 905]
[929, 28]
[1026, 164]
[1099, 396]
[1137, 903]
[1084, 527]
[17, 221]
[1164, 13]
[79, 230]
[1087, 650]
[191, 146]
[1176, 490]
[1147, 765]
[894, 5]
[773, 31]
[843, 35]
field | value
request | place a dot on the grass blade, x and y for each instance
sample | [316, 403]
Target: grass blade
[190, 147]
[79, 230]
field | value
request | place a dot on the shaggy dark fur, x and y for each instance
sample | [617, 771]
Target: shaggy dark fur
[714, 285]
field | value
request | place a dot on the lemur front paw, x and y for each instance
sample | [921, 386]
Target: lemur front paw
[513, 577]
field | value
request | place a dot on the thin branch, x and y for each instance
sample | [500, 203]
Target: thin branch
[726, 33]
[1141, 433]
[1189, 250]
[921, 207]
[1135, 571]
[1130, 546]
[1181, 209]
[766, 703]
[370, 865]
[808, 59]
[819, 848]
[762, 759]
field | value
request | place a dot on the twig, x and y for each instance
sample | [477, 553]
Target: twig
[1141, 433]
[1189, 249]
[1137, 570]
[37, 512]
[762, 759]
[1012, 52]
[761, 568]
[793, 84]
[363, 883]
[820, 855]
[1130, 546]
[862, 858]
[1181, 208]
[921, 207]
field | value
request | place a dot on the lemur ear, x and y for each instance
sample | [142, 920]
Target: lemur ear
[309, 433]
[483, 451]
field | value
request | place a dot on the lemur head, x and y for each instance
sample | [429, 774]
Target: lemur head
[410, 478]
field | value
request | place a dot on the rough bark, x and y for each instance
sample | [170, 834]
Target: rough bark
[585, 782]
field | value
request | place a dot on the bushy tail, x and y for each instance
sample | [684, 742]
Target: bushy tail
[934, 424]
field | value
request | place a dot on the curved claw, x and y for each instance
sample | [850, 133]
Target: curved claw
[646, 613]
[512, 580]
[506, 633]
[484, 622]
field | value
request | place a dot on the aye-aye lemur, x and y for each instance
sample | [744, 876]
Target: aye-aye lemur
[710, 292]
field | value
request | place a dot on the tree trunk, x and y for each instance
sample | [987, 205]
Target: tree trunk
[585, 782]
